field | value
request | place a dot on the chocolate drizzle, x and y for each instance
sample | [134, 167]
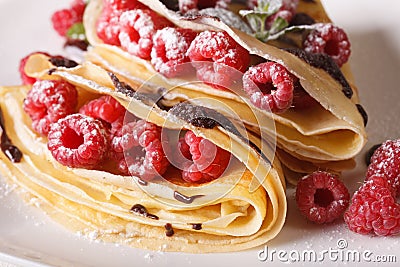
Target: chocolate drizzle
[196, 226]
[60, 61]
[185, 199]
[363, 113]
[169, 231]
[203, 117]
[81, 44]
[301, 19]
[142, 211]
[146, 98]
[12, 152]
[325, 62]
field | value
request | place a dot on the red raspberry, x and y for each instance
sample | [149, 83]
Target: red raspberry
[373, 209]
[270, 86]
[386, 162]
[48, 101]
[193, 5]
[24, 77]
[331, 40]
[63, 19]
[169, 51]
[137, 29]
[208, 161]
[301, 99]
[107, 25]
[142, 147]
[220, 49]
[106, 108]
[78, 141]
[122, 5]
[321, 197]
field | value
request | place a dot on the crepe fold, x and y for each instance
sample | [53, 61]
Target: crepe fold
[244, 208]
[327, 136]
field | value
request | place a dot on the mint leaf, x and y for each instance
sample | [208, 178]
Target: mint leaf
[77, 31]
[278, 25]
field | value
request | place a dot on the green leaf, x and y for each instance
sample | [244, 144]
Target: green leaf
[278, 25]
[77, 31]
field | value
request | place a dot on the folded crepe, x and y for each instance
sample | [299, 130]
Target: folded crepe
[243, 208]
[327, 136]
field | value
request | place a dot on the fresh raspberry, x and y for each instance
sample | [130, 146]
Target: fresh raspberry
[122, 5]
[301, 99]
[193, 5]
[221, 50]
[106, 108]
[48, 101]
[329, 39]
[270, 86]
[373, 209]
[137, 30]
[107, 25]
[24, 77]
[386, 162]
[78, 141]
[208, 161]
[321, 197]
[169, 50]
[140, 142]
[63, 19]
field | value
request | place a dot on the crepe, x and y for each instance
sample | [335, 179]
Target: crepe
[330, 134]
[244, 208]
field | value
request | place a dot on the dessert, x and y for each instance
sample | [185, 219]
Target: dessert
[171, 132]
[208, 203]
[318, 120]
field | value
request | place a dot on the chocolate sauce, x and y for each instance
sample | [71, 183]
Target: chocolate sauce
[363, 113]
[185, 199]
[169, 231]
[142, 211]
[325, 62]
[309, 1]
[146, 98]
[143, 182]
[12, 152]
[81, 44]
[301, 19]
[196, 226]
[203, 117]
[60, 61]
[171, 4]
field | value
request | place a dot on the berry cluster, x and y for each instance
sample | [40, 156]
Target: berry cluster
[373, 207]
[64, 19]
[321, 197]
[206, 161]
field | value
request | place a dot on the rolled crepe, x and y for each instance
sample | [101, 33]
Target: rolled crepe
[242, 209]
[330, 134]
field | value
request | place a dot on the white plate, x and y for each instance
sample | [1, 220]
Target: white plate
[29, 238]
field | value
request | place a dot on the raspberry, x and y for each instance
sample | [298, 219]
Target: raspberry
[193, 5]
[63, 19]
[287, 11]
[137, 30]
[301, 99]
[78, 141]
[122, 5]
[169, 50]
[24, 77]
[48, 101]
[270, 86]
[106, 108]
[386, 162]
[208, 161]
[331, 40]
[373, 209]
[107, 25]
[220, 49]
[141, 144]
[321, 197]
